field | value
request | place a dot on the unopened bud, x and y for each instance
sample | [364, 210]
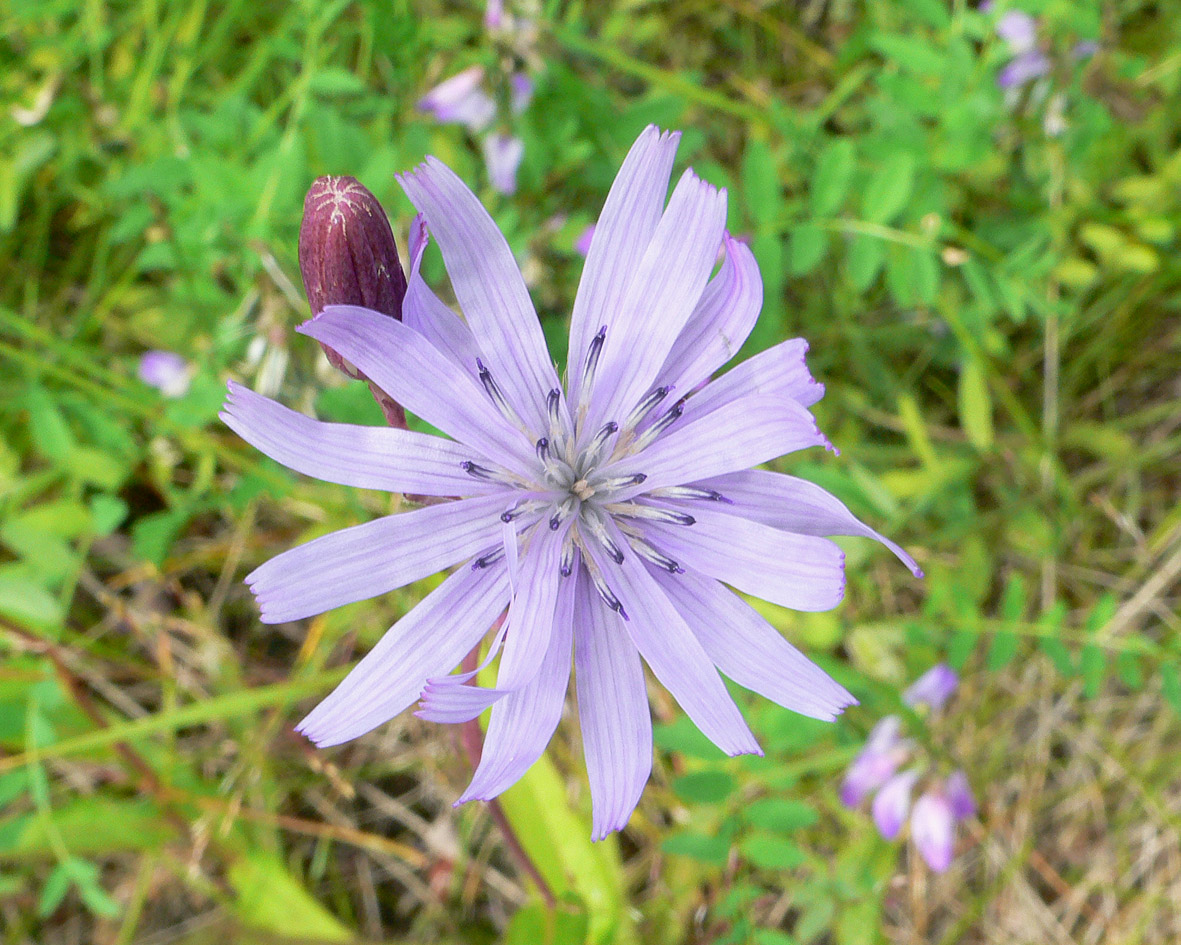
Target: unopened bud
[348, 256]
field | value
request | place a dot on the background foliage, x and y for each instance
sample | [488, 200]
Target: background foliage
[993, 307]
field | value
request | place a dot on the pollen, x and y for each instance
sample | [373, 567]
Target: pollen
[582, 490]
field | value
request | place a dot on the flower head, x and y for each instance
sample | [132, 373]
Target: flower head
[884, 751]
[503, 155]
[606, 514]
[461, 100]
[166, 371]
[933, 688]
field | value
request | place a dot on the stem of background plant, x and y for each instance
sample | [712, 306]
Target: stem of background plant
[471, 740]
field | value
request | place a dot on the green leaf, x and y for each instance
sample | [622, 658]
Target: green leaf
[769, 852]
[761, 187]
[1171, 685]
[153, 535]
[975, 405]
[557, 840]
[535, 924]
[889, 188]
[832, 177]
[704, 787]
[28, 603]
[1128, 666]
[1093, 669]
[92, 825]
[780, 815]
[712, 849]
[271, 899]
[808, 246]
[51, 435]
[864, 260]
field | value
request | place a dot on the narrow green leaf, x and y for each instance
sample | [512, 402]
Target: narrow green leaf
[808, 246]
[888, 188]
[975, 405]
[832, 177]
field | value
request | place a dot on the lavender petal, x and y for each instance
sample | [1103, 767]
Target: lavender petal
[669, 647]
[750, 651]
[778, 371]
[365, 457]
[720, 323]
[663, 293]
[409, 368]
[488, 285]
[366, 560]
[428, 641]
[735, 436]
[612, 710]
[621, 236]
[802, 572]
[959, 796]
[933, 688]
[524, 721]
[795, 505]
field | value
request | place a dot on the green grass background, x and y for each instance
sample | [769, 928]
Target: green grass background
[994, 311]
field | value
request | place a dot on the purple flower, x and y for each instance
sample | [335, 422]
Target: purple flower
[1019, 30]
[892, 803]
[933, 688]
[606, 515]
[494, 14]
[959, 796]
[169, 373]
[884, 751]
[932, 827]
[522, 92]
[502, 156]
[461, 100]
[583, 243]
[1024, 68]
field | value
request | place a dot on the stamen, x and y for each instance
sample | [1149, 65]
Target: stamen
[645, 439]
[661, 560]
[592, 358]
[607, 594]
[477, 471]
[690, 492]
[619, 482]
[594, 452]
[598, 528]
[491, 558]
[552, 401]
[543, 449]
[582, 489]
[496, 394]
[560, 514]
[567, 564]
[650, 513]
[645, 405]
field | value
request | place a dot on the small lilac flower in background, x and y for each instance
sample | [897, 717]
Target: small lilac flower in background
[461, 100]
[583, 243]
[933, 688]
[892, 803]
[166, 371]
[884, 751]
[942, 804]
[522, 91]
[503, 155]
[605, 515]
[932, 824]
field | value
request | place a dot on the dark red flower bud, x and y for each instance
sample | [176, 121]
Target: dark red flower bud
[348, 256]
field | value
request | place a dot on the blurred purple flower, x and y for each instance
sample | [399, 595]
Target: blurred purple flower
[892, 803]
[583, 243]
[606, 521]
[932, 827]
[1019, 30]
[884, 751]
[494, 15]
[933, 688]
[1085, 49]
[166, 371]
[502, 156]
[959, 796]
[522, 92]
[1024, 68]
[461, 100]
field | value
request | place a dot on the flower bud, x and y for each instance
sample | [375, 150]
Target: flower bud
[348, 256]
